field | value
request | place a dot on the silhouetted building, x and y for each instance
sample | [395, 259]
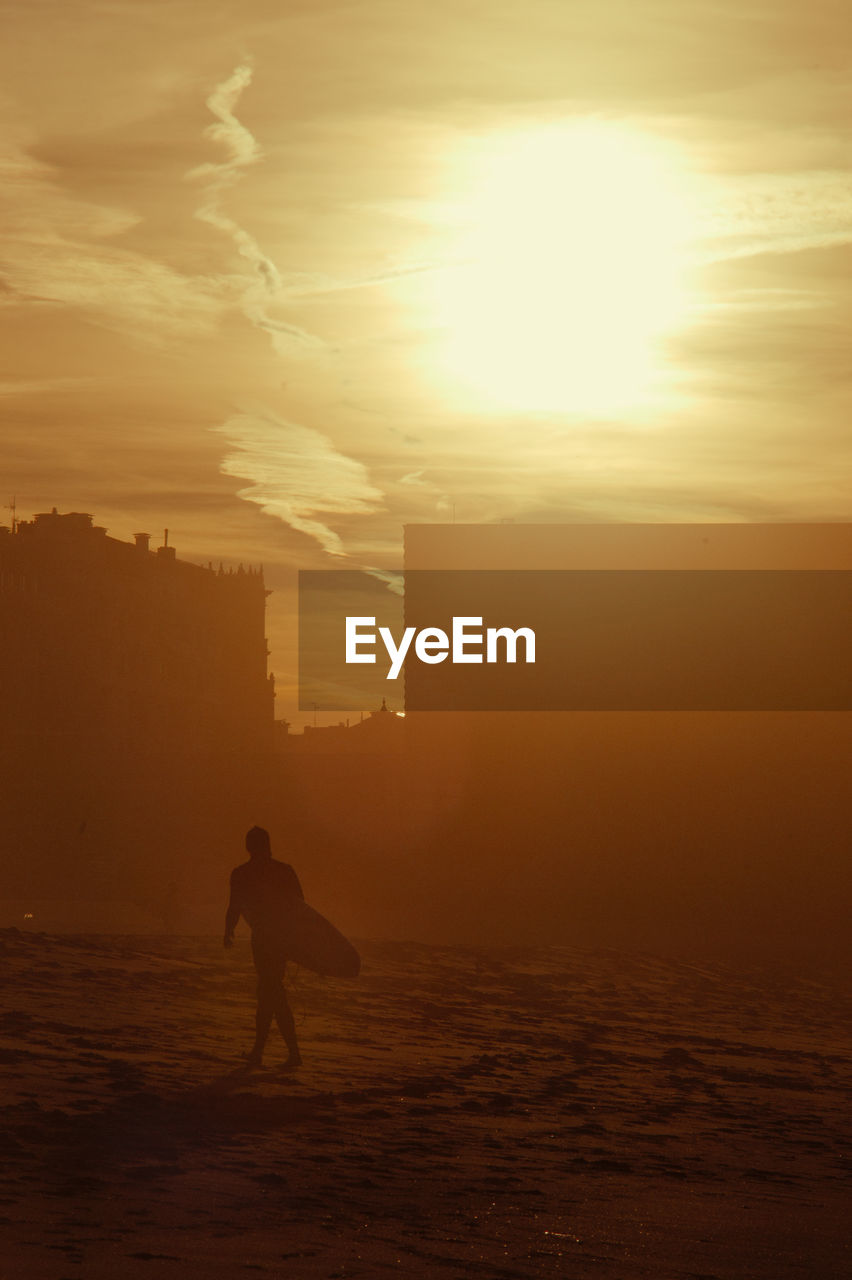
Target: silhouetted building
[135, 704]
[136, 645]
[707, 832]
[376, 733]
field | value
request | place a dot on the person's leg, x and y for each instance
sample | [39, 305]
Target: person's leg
[270, 964]
[266, 1000]
[262, 1021]
[286, 1025]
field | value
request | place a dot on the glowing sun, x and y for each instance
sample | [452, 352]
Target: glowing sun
[570, 268]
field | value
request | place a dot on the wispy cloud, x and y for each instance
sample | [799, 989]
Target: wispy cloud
[242, 150]
[297, 474]
[65, 250]
[12, 386]
[304, 285]
[762, 213]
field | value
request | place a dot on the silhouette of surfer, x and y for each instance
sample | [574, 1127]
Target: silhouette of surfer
[261, 891]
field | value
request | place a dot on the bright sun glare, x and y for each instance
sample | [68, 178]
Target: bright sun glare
[572, 267]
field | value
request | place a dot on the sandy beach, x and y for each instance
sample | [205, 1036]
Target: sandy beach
[505, 1113]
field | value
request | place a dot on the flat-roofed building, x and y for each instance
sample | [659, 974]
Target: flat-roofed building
[136, 708]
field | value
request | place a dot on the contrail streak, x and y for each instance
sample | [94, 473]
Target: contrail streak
[242, 150]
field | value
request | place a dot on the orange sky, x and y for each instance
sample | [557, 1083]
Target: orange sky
[240, 241]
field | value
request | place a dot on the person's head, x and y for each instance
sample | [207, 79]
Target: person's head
[257, 843]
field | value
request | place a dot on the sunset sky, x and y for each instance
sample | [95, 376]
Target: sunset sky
[286, 276]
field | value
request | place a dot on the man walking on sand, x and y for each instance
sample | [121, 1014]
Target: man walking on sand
[261, 891]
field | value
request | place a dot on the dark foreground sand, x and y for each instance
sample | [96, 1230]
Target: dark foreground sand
[460, 1112]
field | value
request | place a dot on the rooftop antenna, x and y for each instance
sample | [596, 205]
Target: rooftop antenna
[13, 507]
[165, 537]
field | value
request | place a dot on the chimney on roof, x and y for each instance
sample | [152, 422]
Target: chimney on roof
[142, 540]
[165, 552]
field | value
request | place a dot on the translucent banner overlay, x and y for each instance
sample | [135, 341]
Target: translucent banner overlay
[602, 640]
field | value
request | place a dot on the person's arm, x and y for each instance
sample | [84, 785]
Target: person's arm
[232, 916]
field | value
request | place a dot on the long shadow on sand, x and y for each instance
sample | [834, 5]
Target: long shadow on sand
[145, 1135]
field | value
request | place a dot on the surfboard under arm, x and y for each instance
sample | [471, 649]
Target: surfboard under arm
[315, 944]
